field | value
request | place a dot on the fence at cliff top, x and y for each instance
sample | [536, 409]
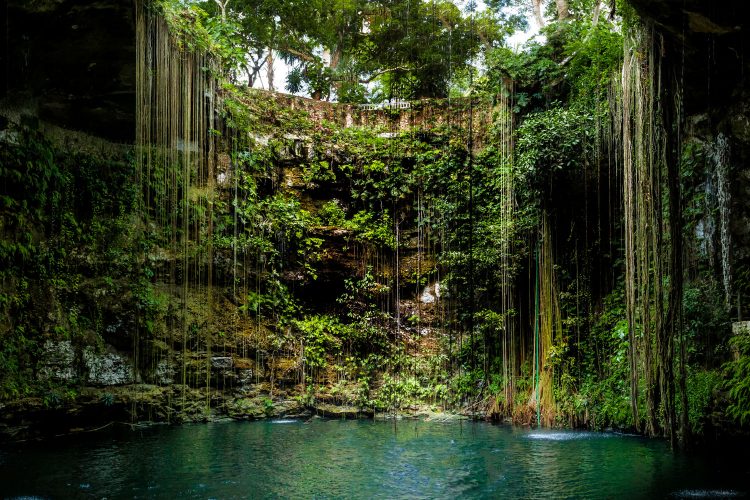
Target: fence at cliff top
[386, 105]
[403, 116]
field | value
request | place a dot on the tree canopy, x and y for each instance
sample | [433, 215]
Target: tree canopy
[357, 50]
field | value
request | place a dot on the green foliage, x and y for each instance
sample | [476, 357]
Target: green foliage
[706, 322]
[195, 31]
[319, 172]
[331, 213]
[308, 397]
[107, 399]
[603, 392]
[574, 65]
[738, 379]
[558, 139]
[322, 335]
[356, 346]
[397, 51]
[405, 40]
[397, 392]
[150, 305]
[268, 406]
[273, 301]
[58, 397]
[65, 223]
[369, 229]
[16, 351]
[533, 71]
[703, 387]
[361, 297]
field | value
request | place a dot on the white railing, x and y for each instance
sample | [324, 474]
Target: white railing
[395, 104]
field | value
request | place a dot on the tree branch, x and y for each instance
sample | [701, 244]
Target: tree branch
[382, 72]
[299, 54]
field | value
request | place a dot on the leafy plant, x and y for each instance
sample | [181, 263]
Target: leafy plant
[738, 380]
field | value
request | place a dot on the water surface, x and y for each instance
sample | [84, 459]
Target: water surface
[361, 459]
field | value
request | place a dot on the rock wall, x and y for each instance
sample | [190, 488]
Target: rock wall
[105, 341]
[706, 46]
[423, 114]
[71, 63]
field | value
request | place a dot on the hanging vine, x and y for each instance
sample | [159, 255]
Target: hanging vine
[648, 113]
[176, 147]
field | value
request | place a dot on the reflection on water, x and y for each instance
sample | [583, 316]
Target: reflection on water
[708, 494]
[360, 459]
[566, 436]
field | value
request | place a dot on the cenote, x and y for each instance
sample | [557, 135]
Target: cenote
[323, 458]
[508, 224]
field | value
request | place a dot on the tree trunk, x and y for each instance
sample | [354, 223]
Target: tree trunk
[537, 6]
[269, 69]
[336, 55]
[562, 10]
[223, 7]
[597, 11]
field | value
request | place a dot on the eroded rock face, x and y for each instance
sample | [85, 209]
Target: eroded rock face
[709, 37]
[430, 294]
[245, 377]
[221, 362]
[704, 48]
[165, 371]
[57, 361]
[107, 368]
[72, 64]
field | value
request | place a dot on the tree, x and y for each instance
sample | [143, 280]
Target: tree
[563, 9]
[414, 47]
[324, 61]
[407, 48]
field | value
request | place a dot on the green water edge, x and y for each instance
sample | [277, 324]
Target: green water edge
[395, 458]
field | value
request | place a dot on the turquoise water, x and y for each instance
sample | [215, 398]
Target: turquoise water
[360, 459]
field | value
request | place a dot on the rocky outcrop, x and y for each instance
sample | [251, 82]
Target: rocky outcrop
[72, 64]
[61, 361]
[704, 48]
[57, 361]
[710, 38]
[107, 368]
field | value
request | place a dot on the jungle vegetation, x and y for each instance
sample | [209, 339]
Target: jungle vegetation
[558, 230]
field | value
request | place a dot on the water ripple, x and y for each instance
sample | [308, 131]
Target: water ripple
[566, 436]
[708, 494]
